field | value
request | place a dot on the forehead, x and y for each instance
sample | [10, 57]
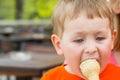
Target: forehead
[72, 8]
[84, 22]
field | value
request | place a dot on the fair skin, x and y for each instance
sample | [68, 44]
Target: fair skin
[84, 39]
[117, 56]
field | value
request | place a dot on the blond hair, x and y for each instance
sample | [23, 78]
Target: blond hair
[117, 41]
[72, 8]
[114, 4]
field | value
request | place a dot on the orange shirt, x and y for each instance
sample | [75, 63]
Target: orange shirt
[59, 73]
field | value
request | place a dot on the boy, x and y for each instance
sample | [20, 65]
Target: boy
[83, 31]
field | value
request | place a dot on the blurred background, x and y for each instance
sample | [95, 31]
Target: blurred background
[26, 9]
[25, 26]
[21, 21]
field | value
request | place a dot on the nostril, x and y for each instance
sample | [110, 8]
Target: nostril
[90, 50]
[90, 47]
[93, 55]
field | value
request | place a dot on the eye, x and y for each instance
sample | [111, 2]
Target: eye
[100, 38]
[78, 40]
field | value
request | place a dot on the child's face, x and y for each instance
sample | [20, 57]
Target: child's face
[84, 39]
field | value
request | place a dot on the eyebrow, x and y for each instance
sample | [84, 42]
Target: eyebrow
[97, 32]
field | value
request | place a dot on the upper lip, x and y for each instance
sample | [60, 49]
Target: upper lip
[91, 59]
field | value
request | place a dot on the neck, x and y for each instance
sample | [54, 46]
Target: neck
[117, 56]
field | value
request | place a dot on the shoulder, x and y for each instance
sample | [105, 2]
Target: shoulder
[53, 73]
[113, 68]
[111, 72]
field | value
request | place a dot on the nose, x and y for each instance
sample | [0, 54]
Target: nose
[90, 48]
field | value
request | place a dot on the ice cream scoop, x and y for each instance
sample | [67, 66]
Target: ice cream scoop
[90, 69]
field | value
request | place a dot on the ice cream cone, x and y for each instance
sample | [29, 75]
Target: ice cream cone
[90, 69]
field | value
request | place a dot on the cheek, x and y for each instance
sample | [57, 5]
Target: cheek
[105, 53]
[72, 56]
[71, 52]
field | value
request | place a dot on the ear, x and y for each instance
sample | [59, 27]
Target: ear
[114, 36]
[57, 44]
[116, 10]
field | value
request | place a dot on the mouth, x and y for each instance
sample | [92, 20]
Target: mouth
[90, 59]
